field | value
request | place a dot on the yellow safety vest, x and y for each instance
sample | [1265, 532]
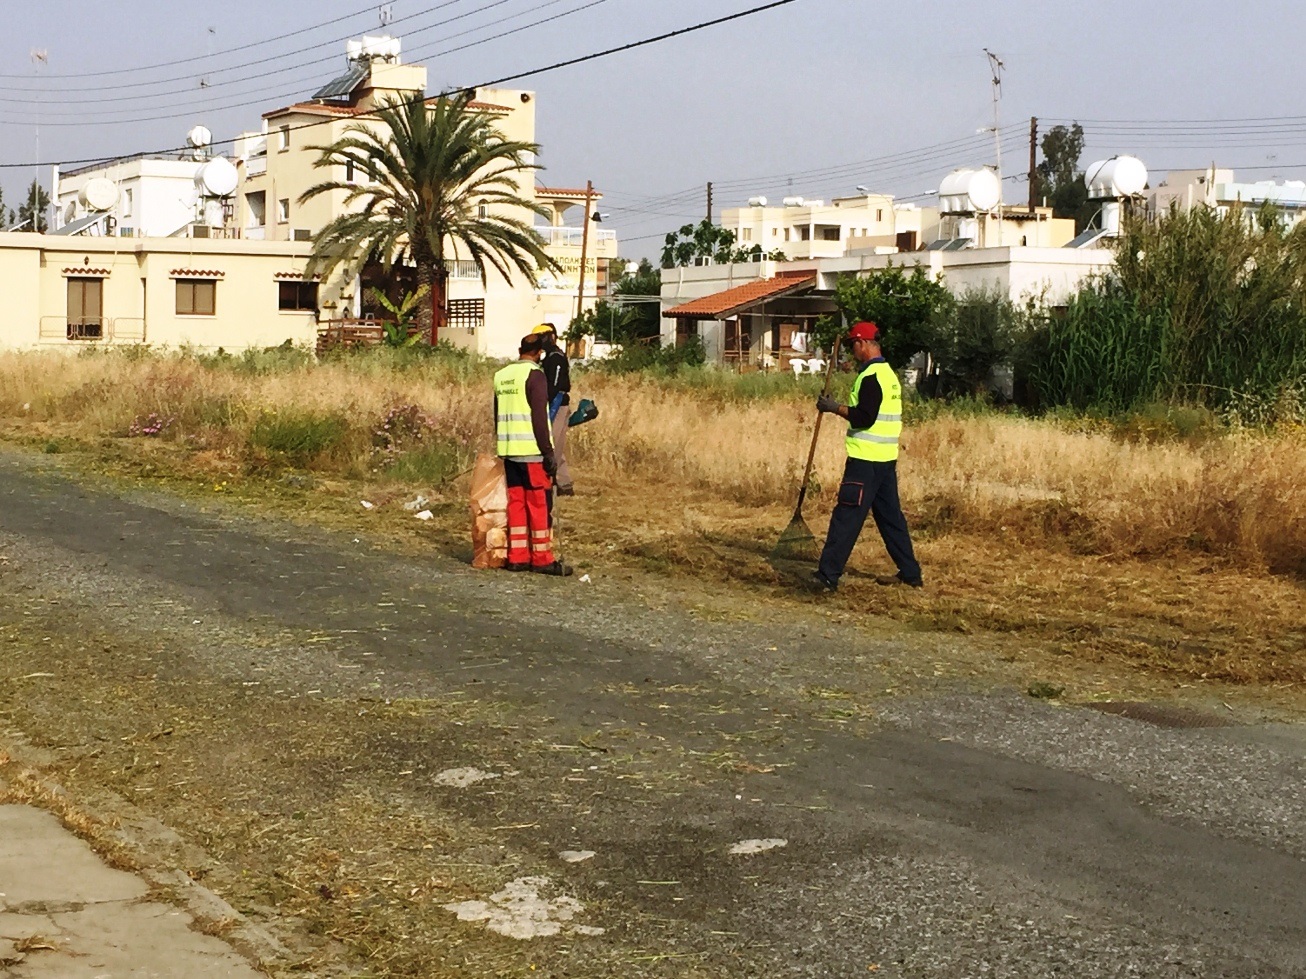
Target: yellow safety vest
[879, 443]
[512, 425]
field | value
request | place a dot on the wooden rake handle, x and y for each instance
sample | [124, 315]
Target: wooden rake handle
[816, 432]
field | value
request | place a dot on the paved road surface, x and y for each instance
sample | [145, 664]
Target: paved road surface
[952, 832]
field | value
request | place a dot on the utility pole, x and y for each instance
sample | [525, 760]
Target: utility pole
[1033, 162]
[709, 202]
[996, 66]
[584, 246]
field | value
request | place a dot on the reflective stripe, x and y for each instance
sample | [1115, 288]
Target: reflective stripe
[538, 534]
[513, 429]
[866, 436]
[879, 443]
[541, 547]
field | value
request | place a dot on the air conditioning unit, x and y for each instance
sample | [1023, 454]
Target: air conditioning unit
[200, 231]
[302, 234]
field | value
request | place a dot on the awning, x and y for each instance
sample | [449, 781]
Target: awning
[731, 302]
[80, 225]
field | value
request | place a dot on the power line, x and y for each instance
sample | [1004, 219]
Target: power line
[203, 105]
[594, 56]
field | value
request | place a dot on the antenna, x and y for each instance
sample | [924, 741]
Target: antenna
[205, 80]
[387, 13]
[40, 58]
[996, 67]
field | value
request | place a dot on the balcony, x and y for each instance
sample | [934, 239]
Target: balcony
[559, 237]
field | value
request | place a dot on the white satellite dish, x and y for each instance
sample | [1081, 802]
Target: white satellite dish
[217, 178]
[199, 137]
[98, 195]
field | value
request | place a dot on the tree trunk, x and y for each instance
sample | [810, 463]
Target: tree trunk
[439, 306]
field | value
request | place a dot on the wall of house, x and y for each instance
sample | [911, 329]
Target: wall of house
[1052, 274]
[162, 196]
[140, 293]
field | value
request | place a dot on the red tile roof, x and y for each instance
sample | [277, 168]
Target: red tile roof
[85, 271]
[197, 274]
[720, 305]
[297, 276]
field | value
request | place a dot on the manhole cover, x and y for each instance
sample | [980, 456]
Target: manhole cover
[1162, 715]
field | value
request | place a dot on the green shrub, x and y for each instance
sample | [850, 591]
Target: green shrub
[430, 465]
[300, 437]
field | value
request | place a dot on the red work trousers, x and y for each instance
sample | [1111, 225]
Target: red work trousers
[530, 539]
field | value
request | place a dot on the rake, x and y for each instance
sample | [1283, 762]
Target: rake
[798, 543]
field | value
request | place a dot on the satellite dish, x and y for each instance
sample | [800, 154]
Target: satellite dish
[199, 137]
[99, 194]
[217, 178]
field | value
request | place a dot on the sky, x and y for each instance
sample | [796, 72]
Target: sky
[812, 98]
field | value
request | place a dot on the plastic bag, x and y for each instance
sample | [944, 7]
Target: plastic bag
[489, 506]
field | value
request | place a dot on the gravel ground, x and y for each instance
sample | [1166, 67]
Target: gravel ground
[934, 822]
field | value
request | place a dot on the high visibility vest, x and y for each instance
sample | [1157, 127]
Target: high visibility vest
[879, 443]
[512, 424]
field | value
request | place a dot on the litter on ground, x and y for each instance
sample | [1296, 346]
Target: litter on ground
[519, 911]
[745, 847]
[461, 778]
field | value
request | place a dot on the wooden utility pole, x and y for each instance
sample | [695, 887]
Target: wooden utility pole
[1033, 162]
[584, 246]
[709, 202]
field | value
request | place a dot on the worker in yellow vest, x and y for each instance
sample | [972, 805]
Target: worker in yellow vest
[521, 428]
[870, 476]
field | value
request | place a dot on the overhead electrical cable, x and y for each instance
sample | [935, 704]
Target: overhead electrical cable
[555, 66]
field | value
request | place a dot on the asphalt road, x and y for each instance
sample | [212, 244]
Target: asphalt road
[947, 830]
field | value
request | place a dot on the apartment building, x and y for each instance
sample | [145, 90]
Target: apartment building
[1219, 189]
[806, 229]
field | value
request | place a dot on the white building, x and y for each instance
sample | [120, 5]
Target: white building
[757, 313]
[1218, 189]
[156, 198]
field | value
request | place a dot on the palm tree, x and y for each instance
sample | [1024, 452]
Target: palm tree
[435, 180]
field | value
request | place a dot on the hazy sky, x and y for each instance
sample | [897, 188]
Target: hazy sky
[812, 98]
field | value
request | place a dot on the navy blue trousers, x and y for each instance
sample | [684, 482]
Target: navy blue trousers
[868, 487]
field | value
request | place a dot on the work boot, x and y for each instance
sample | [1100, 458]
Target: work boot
[821, 582]
[898, 579]
[518, 566]
[557, 569]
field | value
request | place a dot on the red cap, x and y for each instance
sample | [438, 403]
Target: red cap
[865, 330]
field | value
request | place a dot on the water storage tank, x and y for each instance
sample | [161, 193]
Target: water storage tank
[757, 202]
[217, 178]
[969, 191]
[99, 194]
[792, 202]
[1120, 176]
[199, 137]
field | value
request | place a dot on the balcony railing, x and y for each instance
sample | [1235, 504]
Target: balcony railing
[572, 236]
[462, 268]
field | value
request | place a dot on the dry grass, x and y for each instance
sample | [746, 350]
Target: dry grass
[1041, 483]
[1184, 554]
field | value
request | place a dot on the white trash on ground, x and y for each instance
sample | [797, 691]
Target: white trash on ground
[461, 778]
[745, 847]
[519, 911]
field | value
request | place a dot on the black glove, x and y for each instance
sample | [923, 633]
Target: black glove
[550, 466]
[827, 403]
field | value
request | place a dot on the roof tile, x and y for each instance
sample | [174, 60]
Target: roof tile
[722, 303]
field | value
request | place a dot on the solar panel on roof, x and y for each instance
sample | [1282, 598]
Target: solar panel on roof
[1086, 238]
[957, 244]
[340, 87]
[81, 224]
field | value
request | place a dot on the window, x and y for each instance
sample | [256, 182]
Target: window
[775, 232]
[786, 234]
[283, 210]
[297, 296]
[285, 138]
[349, 172]
[483, 210]
[197, 297]
[257, 202]
[746, 234]
[85, 309]
[879, 214]
[301, 234]
[127, 203]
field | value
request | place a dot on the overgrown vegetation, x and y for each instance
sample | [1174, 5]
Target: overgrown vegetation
[1200, 310]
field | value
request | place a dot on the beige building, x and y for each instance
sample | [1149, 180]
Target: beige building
[276, 166]
[804, 229]
[77, 292]
[1218, 189]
